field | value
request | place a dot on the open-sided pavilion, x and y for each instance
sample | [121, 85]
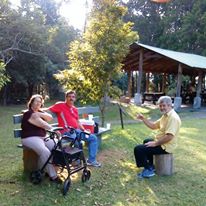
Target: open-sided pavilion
[149, 59]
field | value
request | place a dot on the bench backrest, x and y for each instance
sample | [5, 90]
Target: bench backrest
[17, 118]
[88, 110]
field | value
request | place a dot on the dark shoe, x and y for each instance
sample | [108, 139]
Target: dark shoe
[46, 174]
[57, 180]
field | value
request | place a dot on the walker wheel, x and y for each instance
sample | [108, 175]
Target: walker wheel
[86, 175]
[36, 177]
[67, 184]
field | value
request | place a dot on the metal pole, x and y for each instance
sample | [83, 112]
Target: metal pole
[121, 117]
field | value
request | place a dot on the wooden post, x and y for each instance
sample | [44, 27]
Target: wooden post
[147, 81]
[199, 85]
[129, 83]
[139, 81]
[179, 81]
[203, 83]
[30, 160]
[164, 164]
[164, 82]
[133, 90]
[136, 74]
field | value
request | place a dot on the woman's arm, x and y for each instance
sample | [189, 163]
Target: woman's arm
[37, 120]
[81, 126]
[45, 116]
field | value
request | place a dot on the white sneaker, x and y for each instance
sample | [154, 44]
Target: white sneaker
[93, 164]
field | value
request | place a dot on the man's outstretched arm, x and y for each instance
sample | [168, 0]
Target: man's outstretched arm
[147, 122]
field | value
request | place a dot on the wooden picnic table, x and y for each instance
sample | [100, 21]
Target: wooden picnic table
[152, 96]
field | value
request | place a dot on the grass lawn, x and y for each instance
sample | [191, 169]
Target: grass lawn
[115, 183]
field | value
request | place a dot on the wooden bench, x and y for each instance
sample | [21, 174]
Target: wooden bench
[164, 164]
[30, 158]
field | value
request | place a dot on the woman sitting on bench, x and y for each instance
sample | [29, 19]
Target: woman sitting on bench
[34, 126]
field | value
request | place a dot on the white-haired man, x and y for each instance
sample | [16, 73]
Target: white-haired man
[164, 142]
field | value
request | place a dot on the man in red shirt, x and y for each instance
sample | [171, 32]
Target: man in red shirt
[67, 115]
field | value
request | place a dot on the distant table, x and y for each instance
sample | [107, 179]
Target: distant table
[152, 96]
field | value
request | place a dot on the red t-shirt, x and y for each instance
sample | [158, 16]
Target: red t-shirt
[66, 115]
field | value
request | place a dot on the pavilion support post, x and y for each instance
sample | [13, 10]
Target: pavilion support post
[138, 97]
[147, 81]
[178, 98]
[197, 99]
[203, 83]
[136, 76]
[129, 84]
[133, 89]
[164, 82]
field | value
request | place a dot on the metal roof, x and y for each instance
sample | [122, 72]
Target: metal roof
[191, 60]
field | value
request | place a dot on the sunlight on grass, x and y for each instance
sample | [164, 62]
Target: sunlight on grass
[133, 110]
[129, 165]
[115, 183]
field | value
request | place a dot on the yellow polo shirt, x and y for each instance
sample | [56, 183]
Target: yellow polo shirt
[169, 123]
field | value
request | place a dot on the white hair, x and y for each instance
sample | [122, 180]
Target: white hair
[165, 99]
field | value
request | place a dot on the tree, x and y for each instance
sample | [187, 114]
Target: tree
[146, 16]
[33, 45]
[96, 57]
[192, 33]
[3, 77]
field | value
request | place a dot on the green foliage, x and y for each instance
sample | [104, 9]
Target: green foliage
[178, 25]
[121, 82]
[33, 45]
[193, 29]
[96, 57]
[3, 77]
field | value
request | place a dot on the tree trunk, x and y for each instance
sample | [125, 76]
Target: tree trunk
[30, 89]
[5, 95]
[103, 103]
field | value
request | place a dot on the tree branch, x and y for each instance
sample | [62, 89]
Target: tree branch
[20, 50]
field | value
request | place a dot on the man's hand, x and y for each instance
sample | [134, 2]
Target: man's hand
[140, 116]
[58, 134]
[87, 131]
[146, 121]
[151, 144]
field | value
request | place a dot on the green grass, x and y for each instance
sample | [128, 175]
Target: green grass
[129, 112]
[115, 183]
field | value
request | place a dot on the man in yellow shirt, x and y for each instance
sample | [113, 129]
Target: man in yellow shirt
[165, 141]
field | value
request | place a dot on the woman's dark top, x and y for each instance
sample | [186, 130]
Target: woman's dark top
[28, 129]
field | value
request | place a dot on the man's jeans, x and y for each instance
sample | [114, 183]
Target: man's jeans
[92, 144]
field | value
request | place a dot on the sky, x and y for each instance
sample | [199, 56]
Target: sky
[74, 11]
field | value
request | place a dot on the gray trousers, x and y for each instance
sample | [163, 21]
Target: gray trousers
[43, 150]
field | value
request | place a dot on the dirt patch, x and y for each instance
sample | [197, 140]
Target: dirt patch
[107, 155]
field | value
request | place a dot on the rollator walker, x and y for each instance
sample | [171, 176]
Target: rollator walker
[65, 155]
